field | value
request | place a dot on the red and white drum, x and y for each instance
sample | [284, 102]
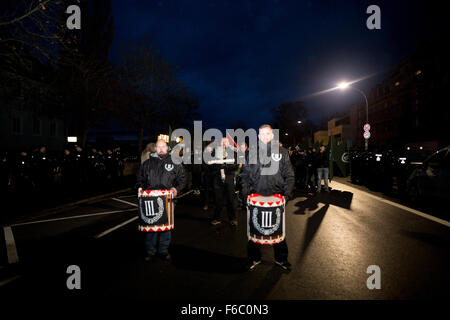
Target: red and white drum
[156, 210]
[265, 219]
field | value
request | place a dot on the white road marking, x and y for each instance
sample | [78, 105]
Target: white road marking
[115, 228]
[6, 281]
[11, 249]
[72, 217]
[119, 225]
[417, 212]
[127, 202]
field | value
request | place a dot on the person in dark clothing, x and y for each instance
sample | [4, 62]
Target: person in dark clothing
[301, 172]
[312, 170]
[22, 171]
[160, 173]
[207, 185]
[282, 182]
[222, 175]
[42, 169]
[322, 164]
[68, 170]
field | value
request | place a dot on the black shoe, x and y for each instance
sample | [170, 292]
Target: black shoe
[166, 256]
[250, 265]
[284, 264]
[216, 222]
[149, 257]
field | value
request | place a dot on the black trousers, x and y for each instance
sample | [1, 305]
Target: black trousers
[224, 190]
[280, 251]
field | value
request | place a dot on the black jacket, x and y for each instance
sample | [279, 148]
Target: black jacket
[229, 168]
[161, 173]
[282, 182]
[322, 160]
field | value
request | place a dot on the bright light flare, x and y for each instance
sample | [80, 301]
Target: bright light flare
[343, 85]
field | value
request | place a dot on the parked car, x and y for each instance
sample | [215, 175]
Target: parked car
[431, 179]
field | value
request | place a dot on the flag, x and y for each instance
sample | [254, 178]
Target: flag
[231, 142]
[339, 157]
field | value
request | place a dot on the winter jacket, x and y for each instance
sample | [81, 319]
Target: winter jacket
[282, 182]
[161, 173]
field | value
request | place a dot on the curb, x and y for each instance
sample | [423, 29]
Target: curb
[50, 211]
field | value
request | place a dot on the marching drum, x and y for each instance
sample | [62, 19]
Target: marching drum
[156, 210]
[265, 219]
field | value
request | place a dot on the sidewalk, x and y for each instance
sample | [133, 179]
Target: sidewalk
[432, 208]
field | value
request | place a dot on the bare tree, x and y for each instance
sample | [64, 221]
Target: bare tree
[155, 94]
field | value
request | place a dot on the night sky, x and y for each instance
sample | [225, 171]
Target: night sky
[243, 57]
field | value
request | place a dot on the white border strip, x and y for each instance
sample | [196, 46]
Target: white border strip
[11, 249]
[417, 212]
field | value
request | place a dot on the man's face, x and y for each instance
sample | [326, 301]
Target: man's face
[161, 148]
[43, 149]
[265, 135]
[322, 149]
[66, 152]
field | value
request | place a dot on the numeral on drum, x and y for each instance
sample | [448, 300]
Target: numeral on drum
[266, 217]
[149, 209]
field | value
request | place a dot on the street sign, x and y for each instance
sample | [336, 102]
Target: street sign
[366, 135]
[367, 127]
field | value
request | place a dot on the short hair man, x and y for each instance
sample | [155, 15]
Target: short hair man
[154, 174]
[281, 182]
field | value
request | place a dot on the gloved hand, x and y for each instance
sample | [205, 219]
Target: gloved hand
[139, 191]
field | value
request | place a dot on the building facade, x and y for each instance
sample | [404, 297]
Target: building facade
[407, 107]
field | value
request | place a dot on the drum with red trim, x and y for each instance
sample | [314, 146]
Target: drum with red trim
[156, 210]
[265, 219]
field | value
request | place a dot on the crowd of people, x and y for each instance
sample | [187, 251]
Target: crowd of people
[74, 168]
[220, 183]
[311, 168]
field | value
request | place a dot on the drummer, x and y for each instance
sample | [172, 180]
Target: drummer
[280, 182]
[154, 174]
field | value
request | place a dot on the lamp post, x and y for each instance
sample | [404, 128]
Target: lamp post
[345, 85]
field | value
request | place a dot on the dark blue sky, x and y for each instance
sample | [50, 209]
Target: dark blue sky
[243, 57]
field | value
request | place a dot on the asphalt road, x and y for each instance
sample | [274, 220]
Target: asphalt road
[333, 238]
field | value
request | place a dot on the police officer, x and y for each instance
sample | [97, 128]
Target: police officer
[118, 161]
[67, 165]
[42, 168]
[22, 171]
[281, 182]
[301, 171]
[154, 175]
[223, 182]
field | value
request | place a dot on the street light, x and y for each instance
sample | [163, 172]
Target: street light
[344, 85]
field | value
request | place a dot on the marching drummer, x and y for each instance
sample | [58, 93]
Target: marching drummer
[160, 173]
[280, 182]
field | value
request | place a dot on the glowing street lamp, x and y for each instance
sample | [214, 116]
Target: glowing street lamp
[343, 86]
